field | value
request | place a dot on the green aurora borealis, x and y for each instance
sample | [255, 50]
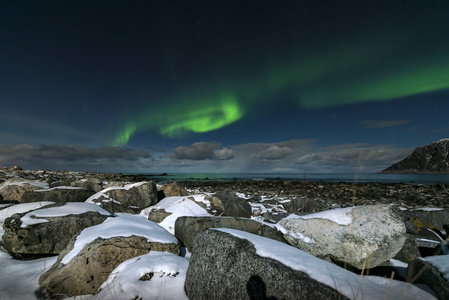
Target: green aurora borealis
[362, 70]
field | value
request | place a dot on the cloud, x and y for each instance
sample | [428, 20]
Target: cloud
[377, 124]
[294, 156]
[74, 157]
[275, 152]
[369, 159]
[203, 151]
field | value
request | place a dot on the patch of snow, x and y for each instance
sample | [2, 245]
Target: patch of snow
[70, 208]
[201, 198]
[400, 267]
[347, 283]
[179, 206]
[19, 278]
[429, 209]
[61, 188]
[341, 216]
[165, 273]
[441, 262]
[123, 225]
[242, 195]
[2, 206]
[21, 208]
[258, 207]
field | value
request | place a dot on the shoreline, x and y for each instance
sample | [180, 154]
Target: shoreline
[408, 195]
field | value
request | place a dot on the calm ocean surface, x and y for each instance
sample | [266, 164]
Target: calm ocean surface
[325, 177]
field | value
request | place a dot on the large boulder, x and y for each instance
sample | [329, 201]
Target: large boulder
[432, 271]
[60, 194]
[47, 231]
[233, 205]
[231, 264]
[14, 188]
[91, 257]
[131, 198]
[361, 237]
[186, 228]
[173, 189]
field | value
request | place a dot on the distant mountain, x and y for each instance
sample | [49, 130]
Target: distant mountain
[430, 159]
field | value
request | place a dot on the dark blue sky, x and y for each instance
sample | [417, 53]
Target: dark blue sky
[232, 86]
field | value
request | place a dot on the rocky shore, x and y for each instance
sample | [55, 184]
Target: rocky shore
[101, 224]
[343, 194]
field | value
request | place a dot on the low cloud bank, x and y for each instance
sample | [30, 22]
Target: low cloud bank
[295, 156]
[73, 157]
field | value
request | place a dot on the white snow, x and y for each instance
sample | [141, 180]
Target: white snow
[349, 284]
[63, 187]
[21, 208]
[123, 225]
[429, 209]
[179, 207]
[19, 278]
[168, 273]
[441, 262]
[341, 216]
[69, 208]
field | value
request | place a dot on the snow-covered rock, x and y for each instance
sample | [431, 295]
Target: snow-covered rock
[186, 228]
[14, 188]
[231, 264]
[175, 207]
[131, 198]
[48, 230]
[363, 236]
[91, 257]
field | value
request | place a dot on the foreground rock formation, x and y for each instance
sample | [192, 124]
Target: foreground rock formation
[90, 257]
[362, 237]
[120, 254]
[48, 230]
[229, 264]
[429, 159]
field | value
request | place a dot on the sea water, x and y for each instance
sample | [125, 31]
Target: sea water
[429, 179]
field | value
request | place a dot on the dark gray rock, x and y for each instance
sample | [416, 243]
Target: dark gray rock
[234, 206]
[186, 228]
[59, 195]
[223, 266]
[226, 265]
[49, 237]
[425, 272]
[418, 221]
[430, 159]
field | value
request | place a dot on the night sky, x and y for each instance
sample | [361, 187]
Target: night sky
[221, 86]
